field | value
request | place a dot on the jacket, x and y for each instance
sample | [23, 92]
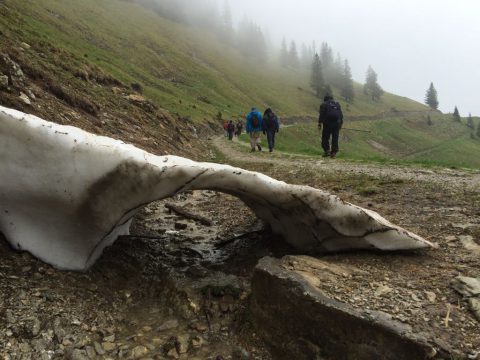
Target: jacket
[332, 118]
[276, 123]
[249, 126]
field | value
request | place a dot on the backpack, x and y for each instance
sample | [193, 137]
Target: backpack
[255, 120]
[231, 127]
[333, 111]
[270, 121]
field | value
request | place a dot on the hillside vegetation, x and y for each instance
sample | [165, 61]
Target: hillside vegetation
[402, 139]
[182, 69]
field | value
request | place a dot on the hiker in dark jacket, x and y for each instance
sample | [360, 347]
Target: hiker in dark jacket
[271, 126]
[331, 117]
[254, 128]
[239, 128]
[230, 129]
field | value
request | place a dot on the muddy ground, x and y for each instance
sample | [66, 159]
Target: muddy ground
[177, 288]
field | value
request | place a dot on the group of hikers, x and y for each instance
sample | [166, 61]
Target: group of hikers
[330, 122]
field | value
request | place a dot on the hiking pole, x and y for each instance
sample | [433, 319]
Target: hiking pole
[365, 131]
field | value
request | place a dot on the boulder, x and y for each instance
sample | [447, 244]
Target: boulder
[298, 321]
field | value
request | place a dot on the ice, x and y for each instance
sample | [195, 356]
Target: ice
[66, 194]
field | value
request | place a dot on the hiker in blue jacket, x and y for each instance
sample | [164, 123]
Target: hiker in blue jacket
[254, 128]
[271, 126]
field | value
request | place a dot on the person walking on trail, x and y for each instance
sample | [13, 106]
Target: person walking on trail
[254, 128]
[225, 128]
[331, 117]
[230, 130]
[239, 128]
[271, 126]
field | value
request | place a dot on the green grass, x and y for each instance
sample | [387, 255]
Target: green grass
[182, 69]
[392, 140]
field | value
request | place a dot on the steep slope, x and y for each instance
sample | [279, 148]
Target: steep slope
[182, 69]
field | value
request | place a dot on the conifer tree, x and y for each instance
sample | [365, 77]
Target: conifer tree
[431, 97]
[317, 81]
[327, 90]
[293, 60]
[371, 87]
[456, 115]
[470, 123]
[284, 53]
[346, 87]
[227, 31]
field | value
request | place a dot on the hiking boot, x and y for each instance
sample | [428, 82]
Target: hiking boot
[270, 150]
[252, 150]
[333, 155]
[259, 147]
[326, 154]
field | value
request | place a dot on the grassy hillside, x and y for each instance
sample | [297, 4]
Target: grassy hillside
[182, 69]
[406, 139]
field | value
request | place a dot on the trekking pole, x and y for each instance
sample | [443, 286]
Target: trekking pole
[365, 131]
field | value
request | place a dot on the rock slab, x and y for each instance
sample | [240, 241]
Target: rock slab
[300, 322]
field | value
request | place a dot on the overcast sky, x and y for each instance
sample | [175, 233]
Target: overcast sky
[409, 43]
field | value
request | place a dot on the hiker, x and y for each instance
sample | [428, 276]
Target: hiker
[254, 128]
[271, 126]
[225, 128]
[331, 117]
[239, 128]
[230, 130]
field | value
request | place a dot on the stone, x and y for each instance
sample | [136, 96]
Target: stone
[431, 296]
[91, 353]
[139, 352]
[467, 286]
[183, 342]
[110, 338]
[469, 244]
[311, 325]
[197, 341]
[25, 46]
[108, 346]
[25, 99]
[98, 348]
[172, 353]
[168, 325]
[474, 304]
[79, 355]
[382, 290]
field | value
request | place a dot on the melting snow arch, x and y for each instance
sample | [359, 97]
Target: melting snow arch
[66, 194]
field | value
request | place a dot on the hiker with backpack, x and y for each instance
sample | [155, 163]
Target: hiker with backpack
[230, 130]
[254, 128]
[239, 128]
[271, 126]
[331, 117]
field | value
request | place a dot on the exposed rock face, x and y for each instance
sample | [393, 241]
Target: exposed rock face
[66, 194]
[300, 322]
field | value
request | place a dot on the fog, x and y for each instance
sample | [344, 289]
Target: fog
[408, 43]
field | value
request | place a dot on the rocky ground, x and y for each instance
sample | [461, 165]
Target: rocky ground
[179, 288]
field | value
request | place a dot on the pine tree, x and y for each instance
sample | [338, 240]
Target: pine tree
[456, 115]
[227, 31]
[293, 60]
[470, 123]
[317, 81]
[346, 87]
[431, 97]
[327, 90]
[371, 87]
[326, 57]
[284, 53]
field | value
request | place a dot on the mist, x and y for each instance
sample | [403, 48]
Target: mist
[408, 43]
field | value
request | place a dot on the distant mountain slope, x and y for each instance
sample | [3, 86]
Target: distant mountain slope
[88, 53]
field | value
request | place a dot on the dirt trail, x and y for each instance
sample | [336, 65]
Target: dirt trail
[238, 151]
